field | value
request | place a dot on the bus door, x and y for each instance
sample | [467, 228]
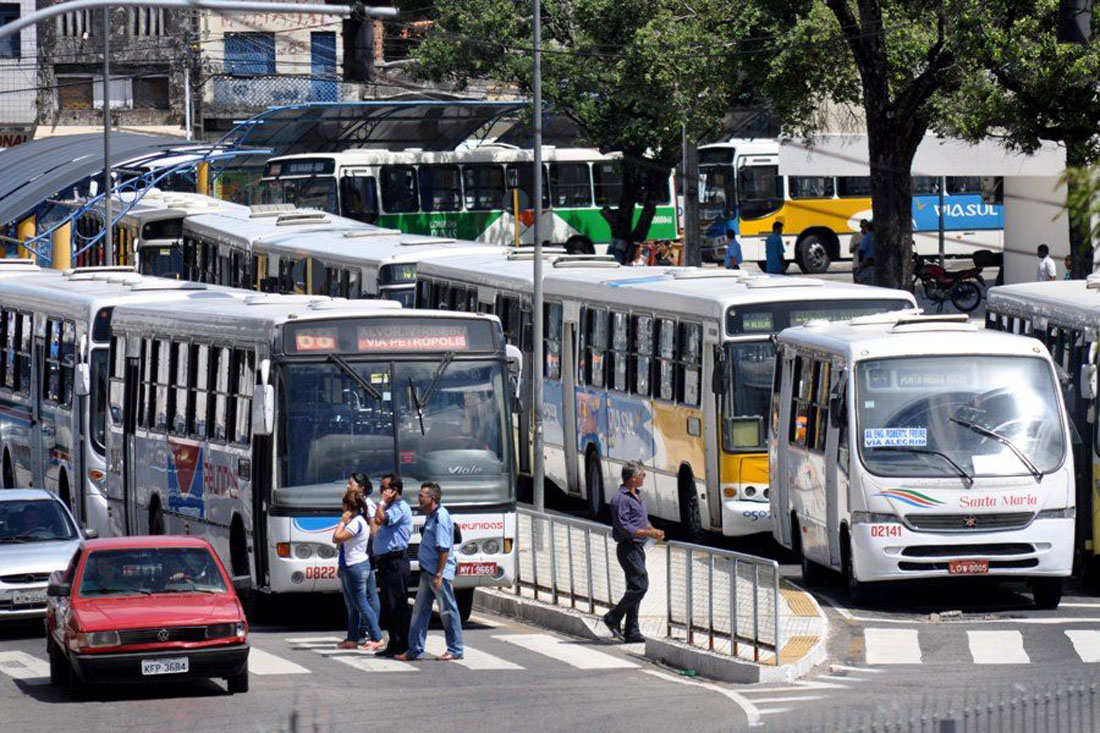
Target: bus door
[42, 428]
[836, 461]
[778, 450]
[129, 426]
[714, 366]
[569, 361]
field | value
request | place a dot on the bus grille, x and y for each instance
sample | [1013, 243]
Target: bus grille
[1005, 548]
[993, 565]
[151, 636]
[969, 522]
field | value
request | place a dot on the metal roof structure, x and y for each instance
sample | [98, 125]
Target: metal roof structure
[37, 170]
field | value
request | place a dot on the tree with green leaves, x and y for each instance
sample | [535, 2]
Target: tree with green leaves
[1033, 88]
[628, 73]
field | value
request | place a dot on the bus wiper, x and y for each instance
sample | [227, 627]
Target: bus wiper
[983, 430]
[929, 452]
[355, 376]
[416, 404]
[420, 400]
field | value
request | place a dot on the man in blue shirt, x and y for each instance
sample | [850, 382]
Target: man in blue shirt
[437, 573]
[865, 272]
[630, 528]
[393, 520]
[773, 250]
[733, 251]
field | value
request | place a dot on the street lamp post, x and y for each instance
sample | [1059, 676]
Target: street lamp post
[108, 240]
[538, 488]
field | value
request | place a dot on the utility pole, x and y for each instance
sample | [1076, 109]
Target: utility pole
[108, 243]
[538, 469]
[693, 253]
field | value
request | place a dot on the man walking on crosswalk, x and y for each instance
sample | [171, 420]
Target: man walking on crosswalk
[391, 543]
[630, 528]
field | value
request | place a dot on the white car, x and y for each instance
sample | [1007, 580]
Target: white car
[38, 535]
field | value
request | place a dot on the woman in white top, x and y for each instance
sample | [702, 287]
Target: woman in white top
[352, 535]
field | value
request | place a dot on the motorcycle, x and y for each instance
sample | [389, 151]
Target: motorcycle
[962, 287]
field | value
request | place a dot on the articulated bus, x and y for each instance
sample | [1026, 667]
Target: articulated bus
[149, 235]
[911, 447]
[1065, 316]
[310, 252]
[465, 194]
[239, 422]
[53, 377]
[741, 189]
[668, 366]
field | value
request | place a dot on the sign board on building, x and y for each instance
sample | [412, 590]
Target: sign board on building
[12, 135]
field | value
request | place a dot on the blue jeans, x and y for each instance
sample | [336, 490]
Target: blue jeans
[422, 614]
[355, 581]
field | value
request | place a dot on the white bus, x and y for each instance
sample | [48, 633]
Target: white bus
[466, 194]
[53, 377]
[240, 422]
[1065, 316]
[668, 366]
[309, 252]
[914, 446]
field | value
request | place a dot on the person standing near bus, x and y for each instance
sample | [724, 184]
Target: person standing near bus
[1047, 269]
[733, 251]
[437, 573]
[853, 246]
[865, 271]
[393, 521]
[630, 528]
[352, 535]
[773, 250]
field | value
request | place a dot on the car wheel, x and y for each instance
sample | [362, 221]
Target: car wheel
[1047, 592]
[237, 683]
[59, 666]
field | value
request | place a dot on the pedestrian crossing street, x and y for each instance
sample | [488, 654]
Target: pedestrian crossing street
[894, 646]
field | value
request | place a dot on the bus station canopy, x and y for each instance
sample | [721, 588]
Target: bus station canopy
[846, 155]
[429, 124]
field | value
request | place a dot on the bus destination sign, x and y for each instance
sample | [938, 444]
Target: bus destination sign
[389, 336]
[413, 337]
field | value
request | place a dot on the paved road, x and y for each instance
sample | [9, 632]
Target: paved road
[514, 678]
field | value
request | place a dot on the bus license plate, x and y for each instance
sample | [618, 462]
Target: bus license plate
[968, 567]
[176, 665]
[28, 597]
[477, 568]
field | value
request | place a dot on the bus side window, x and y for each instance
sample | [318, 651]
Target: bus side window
[5, 349]
[51, 372]
[597, 347]
[145, 394]
[200, 375]
[666, 359]
[689, 365]
[571, 185]
[820, 407]
[359, 198]
[456, 301]
[26, 330]
[619, 369]
[246, 382]
[219, 374]
[163, 381]
[178, 403]
[800, 393]
[399, 190]
[355, 284]
[68, 361]
[442, 296]
[643, 355]
[552, 341]
[423, 292]
[582, 349]
[440, 188]
[118, 371]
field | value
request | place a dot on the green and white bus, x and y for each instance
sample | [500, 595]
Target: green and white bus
[465, 194]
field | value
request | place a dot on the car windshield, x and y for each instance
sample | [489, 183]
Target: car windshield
[997, 416]
[304, 193]
[748, 395]
[150, 571]
[434, 420]
[34, 520]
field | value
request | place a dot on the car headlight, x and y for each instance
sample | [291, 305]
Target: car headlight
[490, 547]
[470, 548]
[326, 552]
[97, 639]
[1065, 513]
[303, 551]
[222, 631]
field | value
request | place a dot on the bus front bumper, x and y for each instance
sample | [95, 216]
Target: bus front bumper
[742, 517]
[888, 551]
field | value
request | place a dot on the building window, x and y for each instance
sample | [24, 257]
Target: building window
[74, 92]
[150, 92]
[249, 54]
[146, 22]
[76, 24]
[121, 92]
[10, 47]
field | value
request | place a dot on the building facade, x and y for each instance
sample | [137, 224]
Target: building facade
[18, 77]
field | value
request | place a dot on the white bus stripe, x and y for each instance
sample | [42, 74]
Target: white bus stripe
[22, 666]
[471, 658]
[1086, 643]
[997, 647]
[265, 663]
[572, 653]
[892, 646]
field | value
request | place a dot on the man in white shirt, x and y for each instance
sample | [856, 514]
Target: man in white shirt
[1047, 269]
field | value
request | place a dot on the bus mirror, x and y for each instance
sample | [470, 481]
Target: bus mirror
[263, 410]
[82, 382]
[514, 357]
[1088, 381]
[838, 417]
[719, 379]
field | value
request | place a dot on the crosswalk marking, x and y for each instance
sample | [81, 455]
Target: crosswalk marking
[1086, 644]
[997, 647]
[892, 646]
[471, 658]
[367, 662]
[22, 666]
[265, 663]
[572, 653]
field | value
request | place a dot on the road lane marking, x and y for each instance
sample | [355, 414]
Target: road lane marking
[845, 668]
[472, 658]
[792, 698]
[22, 666]
[1086, 643]
[997, 647]
[892, 646]
[265, 663]
[572, 653]
[315, 641]
[772, 711]
[749, 709]
[367, 662]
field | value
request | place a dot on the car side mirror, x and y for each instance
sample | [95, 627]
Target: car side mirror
[838, 413]
[263, 410]
[719, 381]
[242, 583]
[57, 588]
[514, 358]
[90, 533]
[82, 380]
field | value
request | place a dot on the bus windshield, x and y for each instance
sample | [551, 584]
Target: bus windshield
[716, 193]
[941, 416]
[429, 420]
[314, 192]
[748, 395]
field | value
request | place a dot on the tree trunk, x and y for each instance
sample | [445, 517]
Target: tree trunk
[638, 188]
[890, 154]
[1080, 239]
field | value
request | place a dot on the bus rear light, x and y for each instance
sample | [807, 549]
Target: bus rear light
[282, 549]
[507, 545]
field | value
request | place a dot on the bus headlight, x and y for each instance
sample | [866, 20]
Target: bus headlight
[470, 548]
[873, 518]
[326, 552]
[1064, 513]
[303, 551]
[490, 547]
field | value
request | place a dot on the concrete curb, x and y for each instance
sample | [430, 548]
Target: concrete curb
[564, 620]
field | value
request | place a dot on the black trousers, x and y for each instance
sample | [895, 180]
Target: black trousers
[393, 591]
[632, 560]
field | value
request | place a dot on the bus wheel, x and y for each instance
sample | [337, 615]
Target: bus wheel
[64, 493]
[812, 573]
[465, 598]
[593, 486]
[8, 473]
[813, 255]
[578, 245]
[689, 508]
[857, 591]
[1047, 592]
[156, 518]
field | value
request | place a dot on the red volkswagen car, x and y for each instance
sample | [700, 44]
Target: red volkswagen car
[145, 609]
